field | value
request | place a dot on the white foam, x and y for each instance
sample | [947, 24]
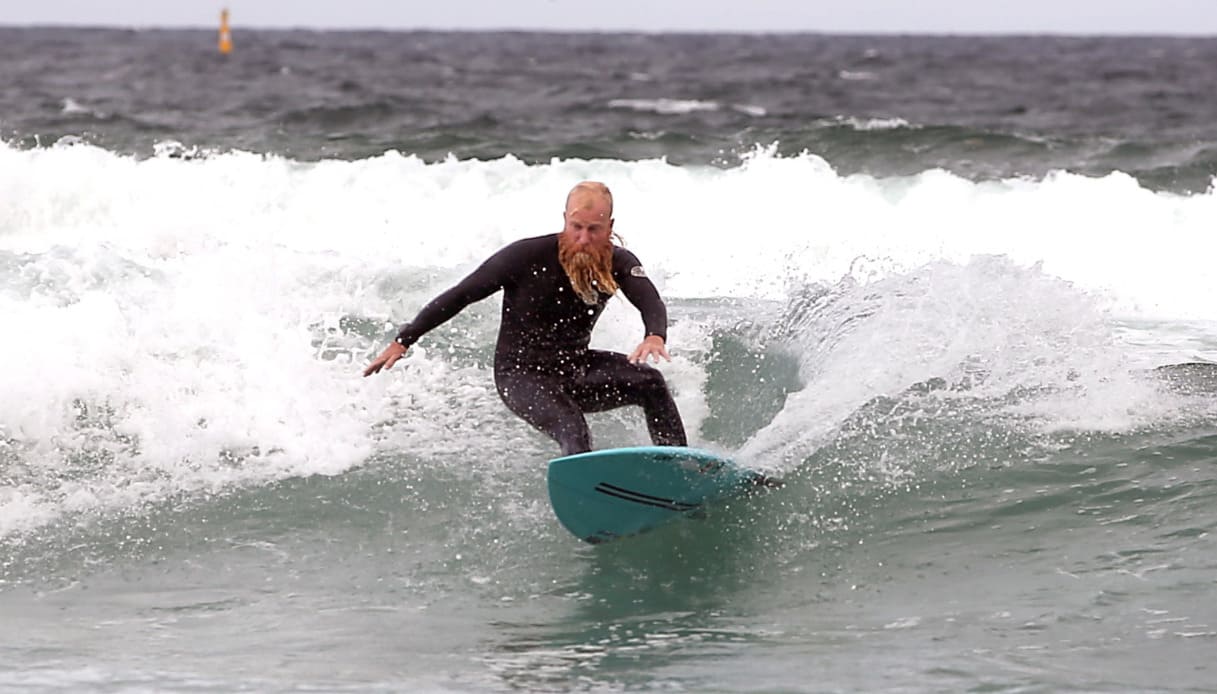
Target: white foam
[181, 304]
[864, 124]
[856, 75]
[665, 106]
[726, 232]
[73, 107]
[990, 327]
[751, 109]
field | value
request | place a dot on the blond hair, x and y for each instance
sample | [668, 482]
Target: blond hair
[585, 193]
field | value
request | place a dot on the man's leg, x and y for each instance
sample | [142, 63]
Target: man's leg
[611, 381]
[541, 401]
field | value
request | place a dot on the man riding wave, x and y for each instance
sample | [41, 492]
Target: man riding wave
[554, 289]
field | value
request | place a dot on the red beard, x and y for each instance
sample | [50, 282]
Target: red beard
[590, 269]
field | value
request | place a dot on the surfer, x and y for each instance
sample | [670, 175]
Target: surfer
[554, 290]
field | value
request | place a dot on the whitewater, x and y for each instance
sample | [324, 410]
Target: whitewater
[179, 325]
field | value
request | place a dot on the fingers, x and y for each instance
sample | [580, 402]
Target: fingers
[374, 367]
[640, 354]
[645, 356]
[386, 360]
[662, 352]
[647, 352]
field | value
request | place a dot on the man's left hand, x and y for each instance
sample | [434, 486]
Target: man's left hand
[652, 348]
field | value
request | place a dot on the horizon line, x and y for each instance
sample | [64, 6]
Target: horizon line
[969, 33]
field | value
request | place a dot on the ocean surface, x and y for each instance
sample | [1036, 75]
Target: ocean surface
[959, 292]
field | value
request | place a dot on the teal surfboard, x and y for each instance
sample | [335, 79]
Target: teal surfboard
[605, 495]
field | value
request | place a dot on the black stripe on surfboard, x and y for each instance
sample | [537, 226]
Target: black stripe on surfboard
[645, 499]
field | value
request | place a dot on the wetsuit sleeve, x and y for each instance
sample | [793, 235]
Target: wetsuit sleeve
[641, 292]
[481, 283]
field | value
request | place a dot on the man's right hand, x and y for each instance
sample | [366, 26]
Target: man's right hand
[387, 358]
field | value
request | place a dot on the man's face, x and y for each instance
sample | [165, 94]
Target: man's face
[588, 225]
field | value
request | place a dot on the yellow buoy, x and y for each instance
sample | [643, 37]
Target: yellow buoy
[225, 34]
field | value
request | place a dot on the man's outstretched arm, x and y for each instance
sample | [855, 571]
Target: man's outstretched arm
[481, 283]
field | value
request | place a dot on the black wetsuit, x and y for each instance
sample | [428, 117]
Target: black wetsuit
[543, 368]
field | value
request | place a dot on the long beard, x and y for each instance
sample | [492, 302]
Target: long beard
[590, 270]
